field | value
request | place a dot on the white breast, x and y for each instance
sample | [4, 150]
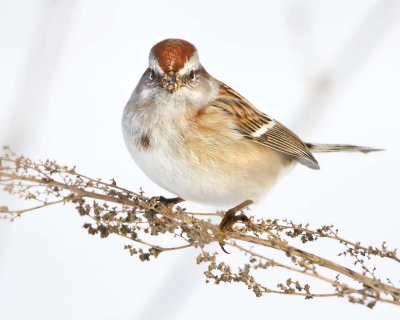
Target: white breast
[166, 162]
[161, 161]
[168, 165]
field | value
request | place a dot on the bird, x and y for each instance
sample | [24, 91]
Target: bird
[202, 141]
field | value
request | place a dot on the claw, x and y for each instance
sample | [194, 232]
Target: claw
[221, 244]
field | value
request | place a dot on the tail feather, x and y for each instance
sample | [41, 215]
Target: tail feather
[339, 148]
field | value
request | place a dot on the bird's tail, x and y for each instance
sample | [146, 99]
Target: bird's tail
[317, 148]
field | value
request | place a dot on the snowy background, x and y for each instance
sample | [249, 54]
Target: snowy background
[330, 70]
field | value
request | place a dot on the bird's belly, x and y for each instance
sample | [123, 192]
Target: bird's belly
[209, 177]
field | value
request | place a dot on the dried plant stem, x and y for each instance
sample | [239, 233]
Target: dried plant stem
[110, 209]
[308, 273]
[292, 251]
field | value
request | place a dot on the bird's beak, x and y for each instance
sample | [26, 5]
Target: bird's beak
[171, 82]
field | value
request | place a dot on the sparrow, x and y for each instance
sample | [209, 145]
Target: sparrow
[202, 141]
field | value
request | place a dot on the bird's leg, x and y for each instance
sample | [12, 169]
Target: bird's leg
[169, 201]
[161, 202]
[230, 217]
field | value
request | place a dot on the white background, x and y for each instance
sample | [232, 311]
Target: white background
[330, 70]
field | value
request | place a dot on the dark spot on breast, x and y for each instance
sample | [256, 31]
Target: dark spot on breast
[144, 142]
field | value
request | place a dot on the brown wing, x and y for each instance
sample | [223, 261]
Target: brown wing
[258, 127]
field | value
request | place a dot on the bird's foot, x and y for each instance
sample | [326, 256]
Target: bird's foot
[230, 218]
[167, 202]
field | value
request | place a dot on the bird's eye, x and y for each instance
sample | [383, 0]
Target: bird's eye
[151, 74]
[192, 75]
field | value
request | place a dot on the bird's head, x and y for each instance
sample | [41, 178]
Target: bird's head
[175, 82]
[173, 64]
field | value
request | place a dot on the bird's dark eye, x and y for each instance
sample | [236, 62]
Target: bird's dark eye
[151, 74]
[192, 75]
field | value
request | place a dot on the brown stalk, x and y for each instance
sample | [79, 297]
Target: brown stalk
[140, 220]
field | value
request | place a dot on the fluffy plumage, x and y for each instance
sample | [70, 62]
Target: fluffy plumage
[200, 139]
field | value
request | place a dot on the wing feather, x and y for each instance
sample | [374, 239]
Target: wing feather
[260, 128]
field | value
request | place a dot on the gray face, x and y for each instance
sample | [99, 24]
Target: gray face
[173, 81]
[171, 89]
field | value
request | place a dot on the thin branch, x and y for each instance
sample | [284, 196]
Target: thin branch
[112, 210]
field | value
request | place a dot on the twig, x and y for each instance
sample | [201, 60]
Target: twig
[113, 210]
